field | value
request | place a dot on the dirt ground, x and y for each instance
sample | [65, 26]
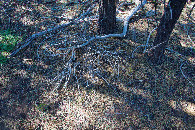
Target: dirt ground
[109, 85]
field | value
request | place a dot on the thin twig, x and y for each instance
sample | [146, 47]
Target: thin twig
[34, 36]
[132, 56]
[184, 75]
[149, 38]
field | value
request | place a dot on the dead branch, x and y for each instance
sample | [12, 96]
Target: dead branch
[34, 36]
[126, 23]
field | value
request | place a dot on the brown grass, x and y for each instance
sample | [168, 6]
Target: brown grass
[107, 88]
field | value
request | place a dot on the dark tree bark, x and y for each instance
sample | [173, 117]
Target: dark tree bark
[107, 16]
[165, 29]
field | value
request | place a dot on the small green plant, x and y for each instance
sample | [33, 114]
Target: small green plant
[7, 43]
[43, 107]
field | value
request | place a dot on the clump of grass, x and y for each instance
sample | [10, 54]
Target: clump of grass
[7, 43]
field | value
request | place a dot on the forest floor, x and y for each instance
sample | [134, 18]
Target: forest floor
[109, 85]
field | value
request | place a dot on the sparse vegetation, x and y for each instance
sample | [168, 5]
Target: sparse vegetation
[7, 43]
[51, 84]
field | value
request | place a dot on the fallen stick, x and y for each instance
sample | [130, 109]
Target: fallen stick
[126, 23]
[34, 36]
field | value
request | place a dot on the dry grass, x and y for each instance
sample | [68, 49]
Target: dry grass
[106, 88]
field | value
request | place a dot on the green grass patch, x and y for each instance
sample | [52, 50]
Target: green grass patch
[7, 43]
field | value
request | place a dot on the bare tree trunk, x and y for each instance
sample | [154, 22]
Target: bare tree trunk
[167, 23]
[107, 16]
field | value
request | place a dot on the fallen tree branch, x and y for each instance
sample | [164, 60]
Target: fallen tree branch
[34, 36]
[126, 23]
